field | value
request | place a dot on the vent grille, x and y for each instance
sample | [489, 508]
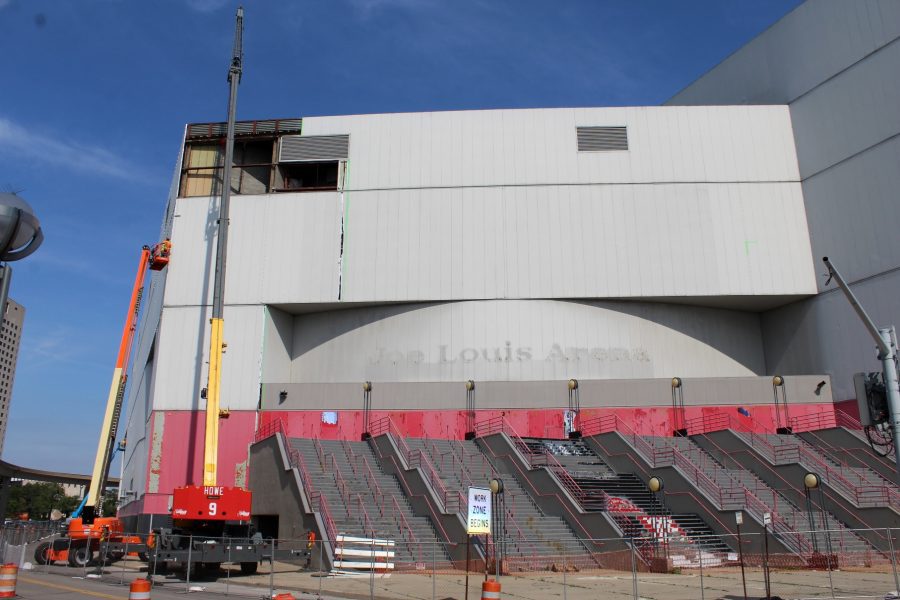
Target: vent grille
[270, 127]
[296, 148]
[602, 139]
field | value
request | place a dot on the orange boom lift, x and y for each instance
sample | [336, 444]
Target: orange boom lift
[89, 529]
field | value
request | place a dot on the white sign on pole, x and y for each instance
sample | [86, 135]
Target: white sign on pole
[767, 518]
[739, 517]
[479, 519]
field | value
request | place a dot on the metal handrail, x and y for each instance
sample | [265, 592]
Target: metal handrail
[864, 492]
[412, 539]
[269, 429]
[703, 482]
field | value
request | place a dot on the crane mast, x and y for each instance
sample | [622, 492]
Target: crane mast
[217, 322]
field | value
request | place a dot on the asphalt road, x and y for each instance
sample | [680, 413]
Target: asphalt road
[50, 586]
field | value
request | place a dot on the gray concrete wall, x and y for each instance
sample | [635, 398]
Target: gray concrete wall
[713, 391]
[835, 64]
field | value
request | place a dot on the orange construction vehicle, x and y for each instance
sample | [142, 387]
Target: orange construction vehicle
[92, 535]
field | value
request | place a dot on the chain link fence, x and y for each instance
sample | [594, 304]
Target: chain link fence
[639, 567]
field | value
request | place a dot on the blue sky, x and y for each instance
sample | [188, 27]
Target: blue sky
[95, 95]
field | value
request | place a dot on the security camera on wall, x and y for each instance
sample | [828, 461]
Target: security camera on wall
[871, 397]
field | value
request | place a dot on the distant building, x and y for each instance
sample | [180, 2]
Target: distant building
[9, 354]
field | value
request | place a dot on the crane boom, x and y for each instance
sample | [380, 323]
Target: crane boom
[217, 323]
[106, 444]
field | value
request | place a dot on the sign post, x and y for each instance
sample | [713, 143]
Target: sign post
[478, 521]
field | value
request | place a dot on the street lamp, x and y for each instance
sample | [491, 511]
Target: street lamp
[367, 408]
[574, 409]
[470, 410]
[498, 515]
[20, 236]
[812, 482]
[781, 405]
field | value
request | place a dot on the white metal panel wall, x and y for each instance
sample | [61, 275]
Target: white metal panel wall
[182, 360]
[809, 45]
[281, 248]
[508, 340]
[577, 241]
[538, 146]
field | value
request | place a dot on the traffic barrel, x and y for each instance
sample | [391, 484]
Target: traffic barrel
[490, 590]
[8, 574]
[283, 597]
[140, 590]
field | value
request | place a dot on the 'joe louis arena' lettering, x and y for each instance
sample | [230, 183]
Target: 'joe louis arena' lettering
[509, 353]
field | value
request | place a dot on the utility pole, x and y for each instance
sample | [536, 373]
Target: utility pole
[887, 353]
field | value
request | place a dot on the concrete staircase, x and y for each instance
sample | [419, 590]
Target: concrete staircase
[637, 510]
[365, 501]
[533, 538]
[860, 484]
[791, 524]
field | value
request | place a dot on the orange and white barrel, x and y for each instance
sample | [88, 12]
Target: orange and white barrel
[140, 590]
[8, 574]
[490, 590]
[283, 597]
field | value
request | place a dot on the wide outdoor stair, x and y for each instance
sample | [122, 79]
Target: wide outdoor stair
[791, 525]
[642, 514]
[534, 539]
[850, 446]
[859, 484]
[364, 501]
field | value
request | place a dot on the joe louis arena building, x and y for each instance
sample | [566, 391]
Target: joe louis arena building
[521, 249]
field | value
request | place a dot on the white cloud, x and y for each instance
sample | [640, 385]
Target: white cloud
[19, 142]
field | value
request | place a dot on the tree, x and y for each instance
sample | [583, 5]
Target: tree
[38, 499]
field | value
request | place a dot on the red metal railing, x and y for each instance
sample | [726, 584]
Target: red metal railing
[864, 493]
[725, 498]
[269, 429]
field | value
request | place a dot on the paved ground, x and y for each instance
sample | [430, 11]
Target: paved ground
[61, 582]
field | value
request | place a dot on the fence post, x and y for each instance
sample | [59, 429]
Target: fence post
[271, 567]
[565, 568]
[634, 584]
[187, 571]
[228, 572]
[700, 556]
[321, 546]
[893, 558]
[434, 570]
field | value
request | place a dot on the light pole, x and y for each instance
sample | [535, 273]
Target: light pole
[497, 511]
[20, 236]
[367, 408]
[739, 520]
[574, 409]
[678, 416]
[812, 482]
[656, 486]
[781, 405]
[470, 410]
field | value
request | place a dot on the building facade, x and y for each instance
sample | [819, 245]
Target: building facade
[10, 336]
[518, 249]
[832, 64]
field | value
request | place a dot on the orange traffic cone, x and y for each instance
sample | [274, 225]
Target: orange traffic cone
[490, 590]
[8, 574]
[140, 590]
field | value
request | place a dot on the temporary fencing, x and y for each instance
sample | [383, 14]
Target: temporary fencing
[695, 566]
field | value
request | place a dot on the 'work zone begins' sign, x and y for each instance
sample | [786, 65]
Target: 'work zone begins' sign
[479, 520]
